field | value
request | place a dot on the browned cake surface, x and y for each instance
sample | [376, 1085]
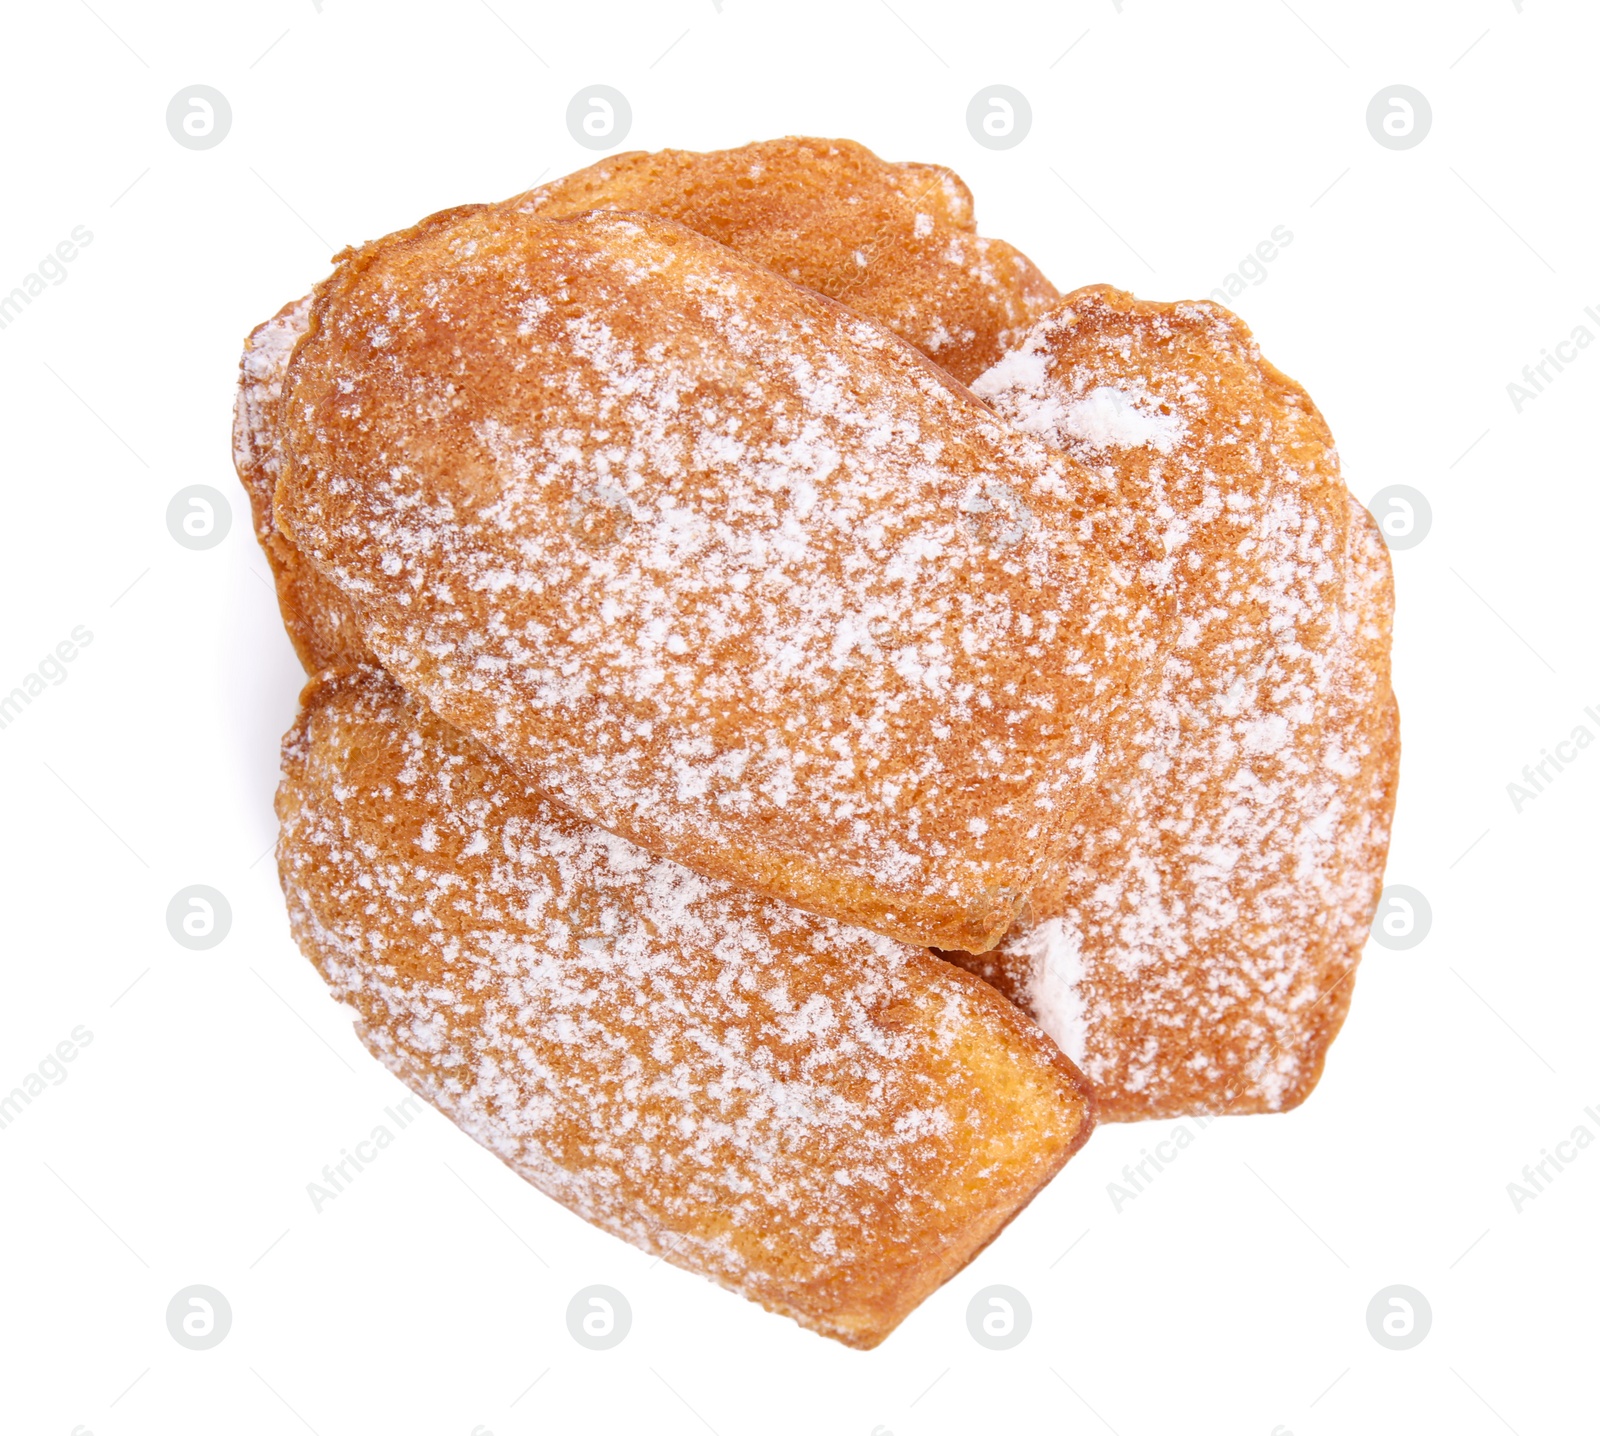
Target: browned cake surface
[319, 621]
[826, 1121]
[896, 242]
[1195, 953]
[805, 207]
[719, 564]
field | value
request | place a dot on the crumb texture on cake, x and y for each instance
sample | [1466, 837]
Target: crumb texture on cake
[825, 1120]
[719, 564]
[896, 242]
[1196, 949]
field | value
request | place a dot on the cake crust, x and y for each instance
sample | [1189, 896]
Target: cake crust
[719, 564]
[1196, 951]
[896, 242]
[826, 1121]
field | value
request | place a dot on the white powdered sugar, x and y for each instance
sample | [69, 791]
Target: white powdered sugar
[1037, 400]
[1055, 995]
[255, 426]
[763, 549]
[1196, 938]
[905, 233]
[773, 1099]
[1021, 378]
[1108, 418]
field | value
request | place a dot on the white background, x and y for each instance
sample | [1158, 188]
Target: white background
[1231, 1295]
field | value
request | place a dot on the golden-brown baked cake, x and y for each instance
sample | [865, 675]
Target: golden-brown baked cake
[1195, 952]
[812, 209]
[319, 619]
[896, 242]
[825, 1121]
[718, 564]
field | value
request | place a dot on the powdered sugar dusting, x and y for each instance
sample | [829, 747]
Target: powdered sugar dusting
[256, 452]
[316, 615]
[1108, 418]
[896, 242]
[798, 587]
[1038, 400]
[1054, 984]
[1213, 899]
[794, 1108]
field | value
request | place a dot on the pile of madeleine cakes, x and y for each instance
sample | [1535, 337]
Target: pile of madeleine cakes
[804, 716]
